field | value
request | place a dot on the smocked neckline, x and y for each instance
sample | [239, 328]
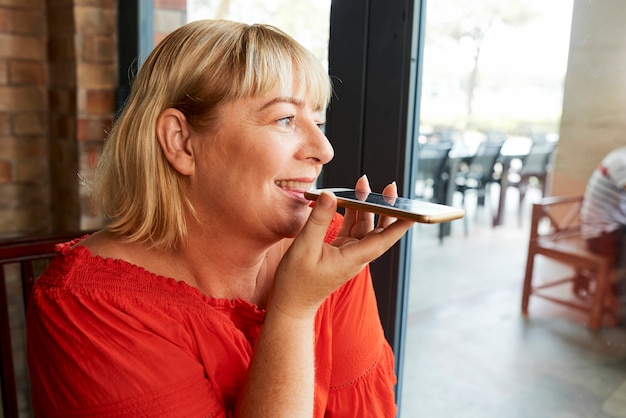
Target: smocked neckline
[74, 248]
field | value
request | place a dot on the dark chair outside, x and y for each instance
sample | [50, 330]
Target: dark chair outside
[22, 260]
[479, 173]
[533, 172]
[433, 178]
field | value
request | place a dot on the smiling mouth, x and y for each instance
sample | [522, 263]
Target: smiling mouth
[293, 185]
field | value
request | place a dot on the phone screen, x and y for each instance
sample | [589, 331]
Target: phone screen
[398, 207]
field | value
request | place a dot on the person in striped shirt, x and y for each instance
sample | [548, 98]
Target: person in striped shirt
[603, 215]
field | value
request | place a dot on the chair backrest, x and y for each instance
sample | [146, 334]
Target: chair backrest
[481, 166]
[22, 260]
[431, 165]
[556, 217]
[432, 159]
[538, 159]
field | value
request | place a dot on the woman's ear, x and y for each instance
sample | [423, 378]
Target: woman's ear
[174, 136]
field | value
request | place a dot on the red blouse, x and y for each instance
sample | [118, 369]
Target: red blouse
[108, 338]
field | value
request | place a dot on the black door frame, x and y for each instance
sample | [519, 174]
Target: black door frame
[375, 59]
[135, 28]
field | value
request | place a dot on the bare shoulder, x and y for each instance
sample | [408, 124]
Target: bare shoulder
[107, 245]
[111, 246]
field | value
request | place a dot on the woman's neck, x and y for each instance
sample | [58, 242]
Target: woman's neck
[219, 269]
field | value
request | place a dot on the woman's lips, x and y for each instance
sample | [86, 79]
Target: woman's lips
[295, 188]
[294, 184]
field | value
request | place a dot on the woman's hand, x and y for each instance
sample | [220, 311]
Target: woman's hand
[357, 224]
[311, 269]
[281, 376]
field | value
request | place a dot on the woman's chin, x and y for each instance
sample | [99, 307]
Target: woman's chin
[295, 225]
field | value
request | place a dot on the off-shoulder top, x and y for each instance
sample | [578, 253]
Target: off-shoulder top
[107, 338]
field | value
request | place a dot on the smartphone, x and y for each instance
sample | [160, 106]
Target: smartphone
[397, 207]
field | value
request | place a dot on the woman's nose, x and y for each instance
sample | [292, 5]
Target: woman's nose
[318, 145]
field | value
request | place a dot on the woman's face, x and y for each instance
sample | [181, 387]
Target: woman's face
[255, 164]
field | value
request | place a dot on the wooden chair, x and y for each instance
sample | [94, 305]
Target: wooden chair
[555, 234]
[21, 262]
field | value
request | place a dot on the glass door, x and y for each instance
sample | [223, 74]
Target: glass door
[519, 73]
[306, 20]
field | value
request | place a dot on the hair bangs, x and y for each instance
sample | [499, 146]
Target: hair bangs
[272, 59]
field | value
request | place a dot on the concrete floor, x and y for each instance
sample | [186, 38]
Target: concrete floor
[470, 353]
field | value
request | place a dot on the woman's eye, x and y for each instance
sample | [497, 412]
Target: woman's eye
[321, 125]
[286, 121]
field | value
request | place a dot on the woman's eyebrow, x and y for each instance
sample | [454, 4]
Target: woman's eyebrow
[283, 99]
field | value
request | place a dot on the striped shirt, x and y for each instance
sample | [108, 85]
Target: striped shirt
[604, 204]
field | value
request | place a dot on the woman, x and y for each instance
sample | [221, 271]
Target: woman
[215, 289]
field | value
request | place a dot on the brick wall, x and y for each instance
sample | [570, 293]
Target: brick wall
[57, 101]
[96, 70]
[24, 165]
[57, 83]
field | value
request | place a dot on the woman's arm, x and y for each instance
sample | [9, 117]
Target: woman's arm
[281, 376]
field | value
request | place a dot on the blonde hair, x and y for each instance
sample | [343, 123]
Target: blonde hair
[194, 69]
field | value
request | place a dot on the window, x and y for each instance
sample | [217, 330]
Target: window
[306, 20]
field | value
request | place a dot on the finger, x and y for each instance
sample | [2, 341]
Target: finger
[349, 219]
[362, 187]
[364, 220]
[357, 223]
[390, 193]
[376, 243]
[315, 228]
[363, 184]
